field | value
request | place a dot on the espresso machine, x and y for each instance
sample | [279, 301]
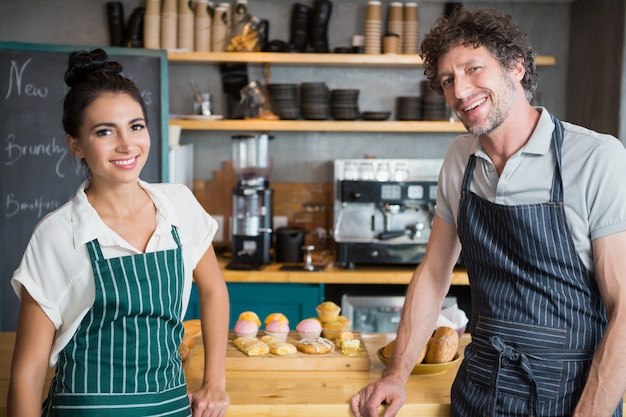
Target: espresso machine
[251, 229]
[383, 210]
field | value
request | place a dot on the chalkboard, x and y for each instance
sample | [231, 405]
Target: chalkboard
[37, 172]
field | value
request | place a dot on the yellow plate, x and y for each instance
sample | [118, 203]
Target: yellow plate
[426, 368]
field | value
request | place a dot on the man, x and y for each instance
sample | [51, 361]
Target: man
[535, 208]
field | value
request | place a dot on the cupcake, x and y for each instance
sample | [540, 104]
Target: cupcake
[245, 328]
[332, 329]
[278, 329]
[327, 311]
[250, 315]
[346, 323]
[275, 316]
[309, 328]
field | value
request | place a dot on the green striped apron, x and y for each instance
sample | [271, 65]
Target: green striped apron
[123, 360]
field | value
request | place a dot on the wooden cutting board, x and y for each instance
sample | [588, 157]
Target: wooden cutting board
[238, 361]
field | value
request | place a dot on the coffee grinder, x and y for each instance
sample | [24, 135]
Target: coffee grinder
[251, 231]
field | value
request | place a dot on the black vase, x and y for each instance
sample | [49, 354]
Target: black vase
[300, 21]
[318, 28]
[115, 18]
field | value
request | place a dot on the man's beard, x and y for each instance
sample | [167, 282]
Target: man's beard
[498, 114]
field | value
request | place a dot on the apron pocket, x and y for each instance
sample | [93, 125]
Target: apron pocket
[512, 355]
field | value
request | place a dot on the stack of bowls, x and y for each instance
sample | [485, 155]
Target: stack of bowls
[344, 104]
[284, 99]
[434, 105]
[411, 24]
[409, 108]
[395, 22]
[314, 101]
[373, 27]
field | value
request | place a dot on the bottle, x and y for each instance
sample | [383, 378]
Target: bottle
[203, 26]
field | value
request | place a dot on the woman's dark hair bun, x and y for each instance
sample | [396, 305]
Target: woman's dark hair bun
[83, 64]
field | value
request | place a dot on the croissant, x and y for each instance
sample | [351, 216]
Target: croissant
[251, 346]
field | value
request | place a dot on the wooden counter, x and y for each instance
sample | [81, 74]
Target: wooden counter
[333, 275]
[295, 393]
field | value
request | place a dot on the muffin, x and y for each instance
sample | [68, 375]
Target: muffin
[275, 316]
[278, 329]
[327, 311]
[246, 328]
[250, 315]
[332, 329]
[346, 323]
[309, 328]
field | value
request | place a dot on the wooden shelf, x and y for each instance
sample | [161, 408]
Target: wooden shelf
[311, 59]
[321, 126]
[386, 60]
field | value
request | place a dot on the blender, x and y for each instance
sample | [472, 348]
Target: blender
[251, 232]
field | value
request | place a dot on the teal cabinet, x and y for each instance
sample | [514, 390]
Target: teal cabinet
[296, 301]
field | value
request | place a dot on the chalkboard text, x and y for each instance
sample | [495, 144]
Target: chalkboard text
[15, 152]
[16, 75]
[39, 206]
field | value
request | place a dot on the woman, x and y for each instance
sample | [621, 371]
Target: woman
[105, 280]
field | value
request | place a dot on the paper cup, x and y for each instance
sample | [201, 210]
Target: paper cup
[174, 136]
[395, 11]
[373, 10]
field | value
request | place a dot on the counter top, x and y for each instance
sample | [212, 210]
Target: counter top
[323, 393]
[295, 393]
[332, 274]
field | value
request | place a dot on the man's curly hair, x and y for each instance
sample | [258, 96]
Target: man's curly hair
[484, 27]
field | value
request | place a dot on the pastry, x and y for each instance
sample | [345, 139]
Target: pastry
[251, 346]
[309, 328]
[278, 329]
[388, 350]
[250, 315]
[316, 346]
[193, 327]
[332, 329]
[186, 345]
[342, 337]
[277, 347]
[327, 311]
[275, 316]
[443, 345]
[283, 348]
[245, 328]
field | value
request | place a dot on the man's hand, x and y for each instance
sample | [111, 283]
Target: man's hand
[388, 391]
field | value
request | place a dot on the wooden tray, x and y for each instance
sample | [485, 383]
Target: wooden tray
[238, 361]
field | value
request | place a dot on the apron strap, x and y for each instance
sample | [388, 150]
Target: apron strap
[506, 355]
[557, 182]
[95, 252]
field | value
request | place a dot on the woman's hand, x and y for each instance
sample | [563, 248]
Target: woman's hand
[207, 402]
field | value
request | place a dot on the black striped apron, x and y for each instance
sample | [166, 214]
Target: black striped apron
[123, 360]
[536, 315]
